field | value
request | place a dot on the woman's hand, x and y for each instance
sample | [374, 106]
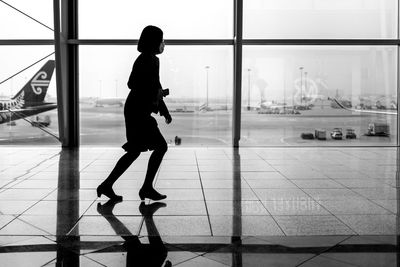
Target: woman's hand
[168, 118]
[160, 94]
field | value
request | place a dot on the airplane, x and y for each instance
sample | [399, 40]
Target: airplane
[338, 103]
[29, 100]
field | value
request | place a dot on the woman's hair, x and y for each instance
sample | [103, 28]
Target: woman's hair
[150, 40]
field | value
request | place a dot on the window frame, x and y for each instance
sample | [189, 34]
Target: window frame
[72, 43]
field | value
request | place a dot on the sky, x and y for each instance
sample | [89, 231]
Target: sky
[105, 69]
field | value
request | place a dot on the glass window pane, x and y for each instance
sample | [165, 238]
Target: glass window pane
[15, 25]
[188, 71]
[319, 19]
[177, 18]
[28, 97]
[288, 91]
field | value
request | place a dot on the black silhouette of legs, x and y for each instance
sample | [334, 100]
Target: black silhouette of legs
[154, 163]
[147, 190]
[122, 165]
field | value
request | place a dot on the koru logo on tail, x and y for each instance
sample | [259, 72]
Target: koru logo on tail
[39, 81]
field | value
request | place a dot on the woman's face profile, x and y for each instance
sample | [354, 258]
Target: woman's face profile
[161, 48]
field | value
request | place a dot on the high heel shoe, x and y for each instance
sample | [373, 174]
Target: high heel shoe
[151, 194]
[108, 192]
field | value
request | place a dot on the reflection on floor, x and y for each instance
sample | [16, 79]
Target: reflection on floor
[225, 207]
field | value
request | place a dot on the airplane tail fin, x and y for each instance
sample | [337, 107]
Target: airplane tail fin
[35, 89]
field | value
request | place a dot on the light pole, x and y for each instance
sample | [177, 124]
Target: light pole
[305, 84]
[301, 85]
[207, 68]
[248, 93]
[293, 100]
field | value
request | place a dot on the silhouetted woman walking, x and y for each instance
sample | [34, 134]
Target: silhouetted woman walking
[142, 132]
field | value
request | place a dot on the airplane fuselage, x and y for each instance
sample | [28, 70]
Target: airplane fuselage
[11, 114]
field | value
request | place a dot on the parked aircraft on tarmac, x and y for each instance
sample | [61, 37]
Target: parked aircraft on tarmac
[29, 100]
[385, 112]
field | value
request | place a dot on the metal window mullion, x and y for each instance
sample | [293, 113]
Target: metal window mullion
[237, 59]
[398, 96]
[65, 20]
[167, 41]
[27, 42]
[59, 80]
[282, 42]
[236, 127]
[73, 73]
[398, 81]
[309, 42]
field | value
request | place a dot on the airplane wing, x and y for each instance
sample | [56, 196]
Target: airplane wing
[362, 110]
[13, 110]
[38, 109]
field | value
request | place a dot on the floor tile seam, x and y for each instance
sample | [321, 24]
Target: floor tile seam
[304, 193]
[369, 179]
[327, 172]
[82, 169]
[31, 206]
[28, 223]
[204, 196]
[187, 260]
[322, 215]
[48, 238]
[394, 213]
[86, 210]
[329, 178]
[351, 188]
[204, 253]
[326, 250]
[16, 179]
[43, 161]
[326, 256]
[369, 199]
[388, 211]
[331, 213]
[16, 217]
[198, 256]
[50, 261]
[157, 216]
[214, 260]
[356, 155]
[179, 248]
[90, 259]
[318, 204]
[80, 217]
[258, 198]
[287, 179]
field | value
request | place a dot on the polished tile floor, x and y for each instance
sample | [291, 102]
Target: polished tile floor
[225, 207]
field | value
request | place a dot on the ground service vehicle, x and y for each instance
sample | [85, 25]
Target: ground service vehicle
[350, 134]
[337, 133]
[378, 129]
[320, 134]
[40, 121]
[307, 136]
